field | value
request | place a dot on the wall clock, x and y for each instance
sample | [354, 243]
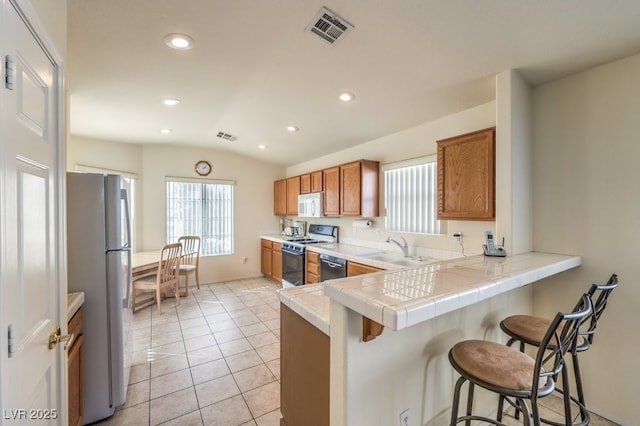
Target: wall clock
[203, 168]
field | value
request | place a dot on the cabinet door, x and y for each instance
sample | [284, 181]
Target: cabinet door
[293, 190]
[316, 181]
[276, 262]
[266, 258]
[466, 176]
[354, 268]
[331, 179]
[75, 363]
[280, 197]
[350, 189]
[313, 267]
[305, 184]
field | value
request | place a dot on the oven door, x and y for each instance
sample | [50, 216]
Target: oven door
[292, 268]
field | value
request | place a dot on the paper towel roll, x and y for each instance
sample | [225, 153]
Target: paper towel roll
[362, 223]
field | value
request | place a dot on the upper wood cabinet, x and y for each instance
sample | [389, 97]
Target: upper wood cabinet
[311, 182]
[280, 197]
[349, 190]
[359, 188]
[305, 183]
[293, 190]
[316, 181]
[331, 203]
[466, 176]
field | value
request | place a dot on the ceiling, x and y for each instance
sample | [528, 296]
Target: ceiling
[254, 70]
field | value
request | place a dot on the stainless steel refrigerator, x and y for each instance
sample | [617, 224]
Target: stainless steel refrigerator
[99, 264]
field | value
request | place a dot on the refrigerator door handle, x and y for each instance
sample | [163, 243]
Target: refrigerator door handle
[125, 199]
[126, 300]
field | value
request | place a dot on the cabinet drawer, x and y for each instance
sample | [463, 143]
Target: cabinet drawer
[313, 268]
[75, 323]
[266, 243]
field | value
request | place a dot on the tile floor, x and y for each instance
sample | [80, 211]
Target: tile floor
[215, 360]
[552, 408]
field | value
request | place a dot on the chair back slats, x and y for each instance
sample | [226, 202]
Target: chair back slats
[599, 295]
[560, 338]
[170, 259]
[190, 249]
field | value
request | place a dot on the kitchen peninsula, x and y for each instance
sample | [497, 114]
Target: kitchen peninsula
[422, 311]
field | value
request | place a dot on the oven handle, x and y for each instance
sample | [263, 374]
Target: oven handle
[292, 252]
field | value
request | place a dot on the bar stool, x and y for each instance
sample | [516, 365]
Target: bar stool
[511, 373]
[530, 330]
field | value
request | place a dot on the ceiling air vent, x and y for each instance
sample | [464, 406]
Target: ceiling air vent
[329, 26]
[226, 136]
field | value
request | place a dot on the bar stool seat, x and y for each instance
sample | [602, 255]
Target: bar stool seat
[497, 365]
[512, 374]
[529, 330]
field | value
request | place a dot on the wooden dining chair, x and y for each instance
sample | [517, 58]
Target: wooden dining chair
[167, 278]
[190, 260]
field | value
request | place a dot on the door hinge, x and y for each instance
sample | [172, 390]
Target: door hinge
[10, 72]
[12, 340]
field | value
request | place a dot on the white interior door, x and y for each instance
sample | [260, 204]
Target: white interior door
[30, 228]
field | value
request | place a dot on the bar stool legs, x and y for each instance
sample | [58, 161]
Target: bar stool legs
[513, 375]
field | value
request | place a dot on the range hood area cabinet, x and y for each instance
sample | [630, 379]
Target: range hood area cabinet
[350, 189]
[466, 176]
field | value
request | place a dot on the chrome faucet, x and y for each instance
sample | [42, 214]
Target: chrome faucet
[404, 247]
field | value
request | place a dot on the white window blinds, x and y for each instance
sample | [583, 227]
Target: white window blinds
[411, 197]
[204, 209]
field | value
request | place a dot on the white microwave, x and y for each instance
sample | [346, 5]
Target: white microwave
[310, 205]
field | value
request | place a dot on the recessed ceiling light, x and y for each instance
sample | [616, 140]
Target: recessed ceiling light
[179, 41]
[347, 97]
[166, 131]
[171, 102]
[292, 128]
[262, 146]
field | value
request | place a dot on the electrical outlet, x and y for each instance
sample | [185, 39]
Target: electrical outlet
[458, 237]
[244, 259]
[404, 418]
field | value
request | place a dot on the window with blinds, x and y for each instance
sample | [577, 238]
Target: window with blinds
[204, 209]
[411, 197]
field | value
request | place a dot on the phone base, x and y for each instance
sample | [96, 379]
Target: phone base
[498, 251]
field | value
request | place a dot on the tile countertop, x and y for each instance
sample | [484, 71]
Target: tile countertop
[402, 298]
[74, 301]
[310, 303]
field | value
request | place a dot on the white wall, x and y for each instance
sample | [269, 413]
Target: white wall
[253, 195]
[586, 148]
[409, 368]
[410, 143]
[253, 203]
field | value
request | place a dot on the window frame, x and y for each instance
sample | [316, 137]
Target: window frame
[232, 213]
[439, 227]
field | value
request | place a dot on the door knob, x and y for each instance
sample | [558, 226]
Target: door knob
[55, 338]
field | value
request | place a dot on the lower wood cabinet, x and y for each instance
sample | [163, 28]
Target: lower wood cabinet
[313, 267]
[75, 363]
[304, 371]
[355, 268]
[276, 262]
[266, 257]
[271, 259]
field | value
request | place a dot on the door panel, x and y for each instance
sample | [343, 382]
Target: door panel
[30, 228]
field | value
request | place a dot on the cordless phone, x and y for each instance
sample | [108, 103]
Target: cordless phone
[490, 248]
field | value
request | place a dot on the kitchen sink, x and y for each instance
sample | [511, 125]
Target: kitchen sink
[395, 259]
